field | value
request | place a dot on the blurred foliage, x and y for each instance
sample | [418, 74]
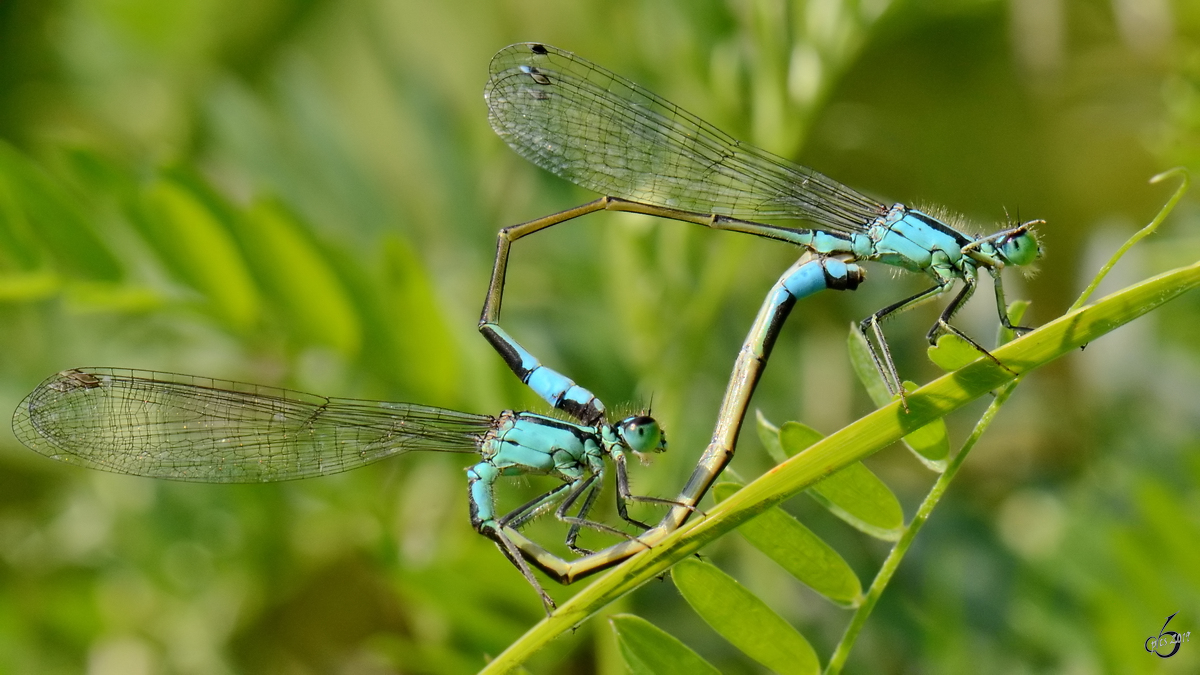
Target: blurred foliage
[306, 194]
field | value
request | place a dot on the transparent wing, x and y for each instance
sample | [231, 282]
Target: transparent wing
[607, 134]
[182, 427]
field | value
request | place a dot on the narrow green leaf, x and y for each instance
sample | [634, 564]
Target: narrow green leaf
[194, 243]
[285, 256]
[37, 212]
[864, 367]
[769, 435]
[742, 619]
[799, 551]
[29, 287]
[99, 296]
[411, 295]
[649, 650]
[931, 444]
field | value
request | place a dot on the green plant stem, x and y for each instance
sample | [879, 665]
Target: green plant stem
[888, 569]
[1184, 183]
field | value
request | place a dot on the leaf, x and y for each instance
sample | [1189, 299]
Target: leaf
[742, 619]
[931, 444]
[37, 212]
[294, 270]
[952, 352]
[864, 367]
[424, 337]
[858, 497]
[799, 551]
[98, 296]
[649, 650]
[194, 242]
[27, 287]
[796, 437]
[854, 494]
[768, 434]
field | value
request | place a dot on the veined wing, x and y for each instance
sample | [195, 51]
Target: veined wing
[183, 427]
[607, 134]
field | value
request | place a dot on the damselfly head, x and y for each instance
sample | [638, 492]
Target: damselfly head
[642, 434]
[1020, 246]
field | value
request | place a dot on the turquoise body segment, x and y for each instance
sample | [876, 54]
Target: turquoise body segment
[555, 388]
[540, 444]
[481, 480]
[803, 280]
[817, 276]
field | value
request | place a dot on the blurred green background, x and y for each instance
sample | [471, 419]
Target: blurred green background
[306, 194]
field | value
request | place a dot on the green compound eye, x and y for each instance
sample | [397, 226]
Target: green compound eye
[1020, 250]
[642, 434]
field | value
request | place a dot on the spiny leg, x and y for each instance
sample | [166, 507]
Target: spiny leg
[624, 495]
[989, 262]
[514, 556]
[943, 324]
[973, 248]
[521, 515]
[567, 572]
[884, 364]
[1002, 306]
[481, 480]
[591, 486]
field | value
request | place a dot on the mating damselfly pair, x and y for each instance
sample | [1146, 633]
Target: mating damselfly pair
[645, 155]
